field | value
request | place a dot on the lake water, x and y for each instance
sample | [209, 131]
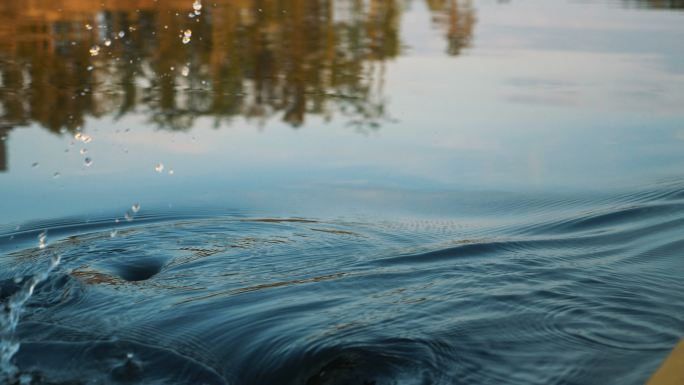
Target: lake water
[340, 192]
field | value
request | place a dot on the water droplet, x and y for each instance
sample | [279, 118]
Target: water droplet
[185, 71]
[94, 50]
[83, 137]
[42, 239]
[89, 68]
[88, 27]
[197, 5]
[187, 34]
[122, 34]
[56, 175]
[87, 162]
[159, 167]
[83, 151]
[34, 165]
[128, 216]
[171, 172]
[107, 42]
[135, 207]
[113, 233]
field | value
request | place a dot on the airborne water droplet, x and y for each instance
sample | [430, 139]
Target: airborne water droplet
[113, 233]
[122, 34]
[197, 5]
[128, 216]
[56, 175]
[34, 165]
[185, 71]
[83, 137]
[171, 172]
[94, 50]
[159, 167]
[187, 34]
[88, 27]
[107, 42]
[87, 162]
[89, 68]
[42, 240]
[83, 151]
[135, 207]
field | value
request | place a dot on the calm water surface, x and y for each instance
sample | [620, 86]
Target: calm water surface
[340, 192]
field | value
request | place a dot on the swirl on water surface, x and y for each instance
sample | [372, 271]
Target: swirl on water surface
[579, 292]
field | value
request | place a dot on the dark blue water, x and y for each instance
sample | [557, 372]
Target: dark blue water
[573, 291]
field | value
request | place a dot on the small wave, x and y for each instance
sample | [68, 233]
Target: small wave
[572, 292]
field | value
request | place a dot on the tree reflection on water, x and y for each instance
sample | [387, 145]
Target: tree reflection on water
[255, 59]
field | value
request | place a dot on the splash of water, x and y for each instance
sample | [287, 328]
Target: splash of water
[10, 312]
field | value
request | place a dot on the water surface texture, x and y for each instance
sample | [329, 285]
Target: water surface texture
[340, 192]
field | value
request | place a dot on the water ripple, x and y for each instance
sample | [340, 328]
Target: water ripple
[568, 293]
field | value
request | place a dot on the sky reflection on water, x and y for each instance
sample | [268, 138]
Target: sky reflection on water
[331, 108]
